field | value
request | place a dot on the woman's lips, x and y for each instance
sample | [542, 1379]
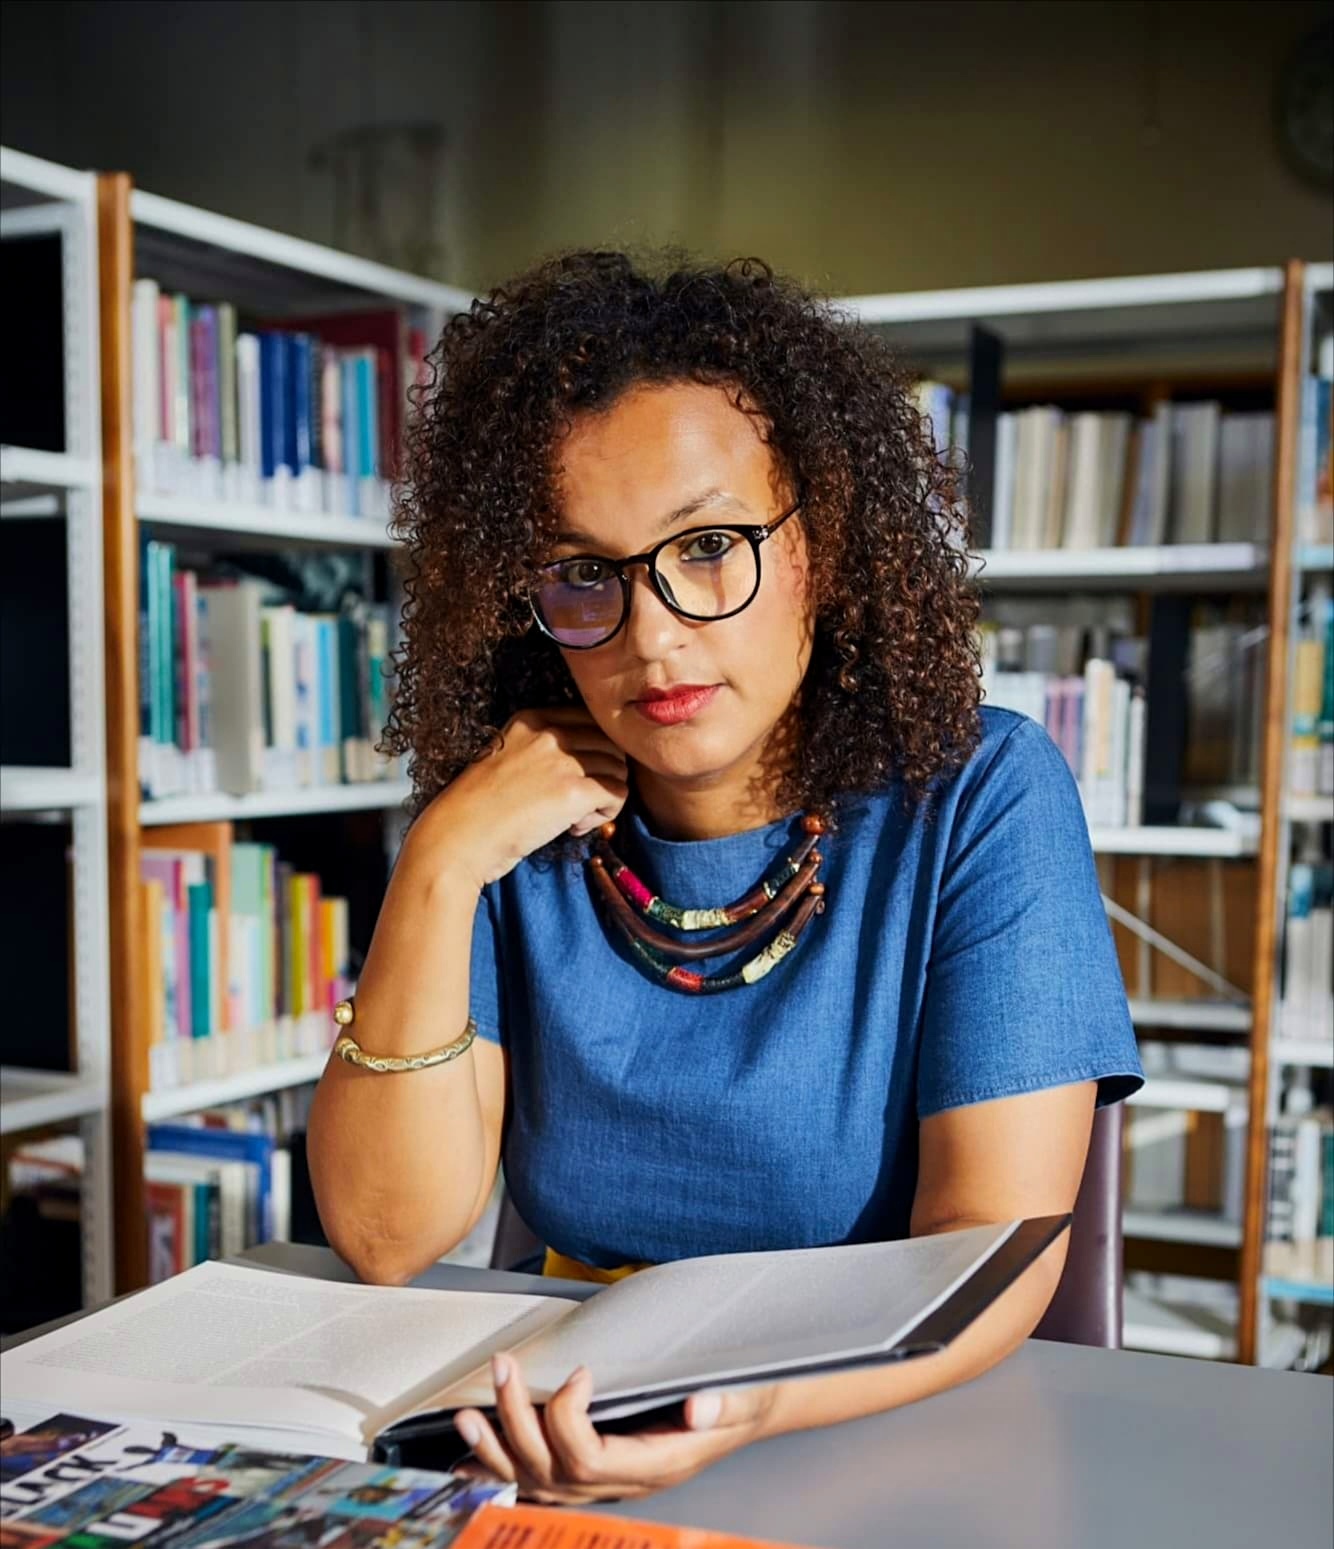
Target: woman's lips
[676, 707]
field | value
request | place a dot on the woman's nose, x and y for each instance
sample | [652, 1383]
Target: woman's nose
[652, 629]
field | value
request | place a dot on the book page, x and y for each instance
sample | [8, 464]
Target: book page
[225, 1344]
[715, 1318]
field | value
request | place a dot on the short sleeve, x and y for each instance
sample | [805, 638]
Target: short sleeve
[486, 999]
[1024, 990]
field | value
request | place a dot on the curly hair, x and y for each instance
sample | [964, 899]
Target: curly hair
[893, 684]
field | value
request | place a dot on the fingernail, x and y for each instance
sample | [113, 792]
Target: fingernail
[470, 1431]
[704, 1411]
[579, 1374]
[500, 1370]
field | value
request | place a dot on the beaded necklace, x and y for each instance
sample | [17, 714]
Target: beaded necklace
[791, 891]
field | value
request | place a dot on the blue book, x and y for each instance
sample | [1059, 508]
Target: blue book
[227, 1145]
[298, 426]
[273, 405]
[351, 432]
[366, 438]
[327, 643]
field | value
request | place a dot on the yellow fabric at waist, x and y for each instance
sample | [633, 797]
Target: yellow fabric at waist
[557, 1265]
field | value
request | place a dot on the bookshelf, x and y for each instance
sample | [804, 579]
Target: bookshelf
[1130, 345]
[50, 214]
[265, 275]
[1288, 1285]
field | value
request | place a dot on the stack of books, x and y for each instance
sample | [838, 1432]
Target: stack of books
[1189, 474]
[299, 414]
[244, 957]
[241, 691]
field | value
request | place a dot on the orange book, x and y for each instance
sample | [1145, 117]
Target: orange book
[215, 841]
[550, 1527]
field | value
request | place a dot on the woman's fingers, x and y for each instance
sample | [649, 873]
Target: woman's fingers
[522, 1426]
[486, 1446]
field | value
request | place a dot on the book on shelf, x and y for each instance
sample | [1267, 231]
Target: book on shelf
[241, 691]
[243, 956]
[1301, 1171]
[1306, 1010]
[223, 1180]
[1311, 747]
[96, 1482]
[196, 1350]
[1188, 473]
[300, 414]
[1315, 451]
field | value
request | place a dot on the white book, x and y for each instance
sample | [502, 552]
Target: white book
[1083, 496]
[146, 372]
[1306, 1180]
[1194, 472]
[1032, 449]
[234, 614]
[336, 1366]
[248, 420]
[1135, 759]
[1058, 462]
[1002, 501]
[281, 753]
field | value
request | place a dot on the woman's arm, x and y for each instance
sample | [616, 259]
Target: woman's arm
[986, 1163]
[981, 1164]
[402, 1165]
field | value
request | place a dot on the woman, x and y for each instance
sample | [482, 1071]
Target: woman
[682, 541]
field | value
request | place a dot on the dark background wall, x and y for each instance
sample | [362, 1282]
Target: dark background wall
[863, 145]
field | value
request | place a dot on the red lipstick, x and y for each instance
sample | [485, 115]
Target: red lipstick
[670, 706]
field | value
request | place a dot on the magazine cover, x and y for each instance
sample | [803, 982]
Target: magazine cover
[88, 1484]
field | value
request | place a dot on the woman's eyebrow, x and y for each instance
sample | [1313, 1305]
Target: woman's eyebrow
[710, 497]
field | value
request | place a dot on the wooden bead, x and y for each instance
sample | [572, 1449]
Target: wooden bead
[816, 889]
[608, 831]
[813, 823]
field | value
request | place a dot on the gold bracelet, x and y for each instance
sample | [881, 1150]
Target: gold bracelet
[350, 1051]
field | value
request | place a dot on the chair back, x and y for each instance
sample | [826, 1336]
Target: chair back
[1086, 1309]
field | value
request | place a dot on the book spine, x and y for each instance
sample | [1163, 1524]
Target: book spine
[229, 441]
[273, 395]
[297, 427]
[200, 906]
[352, 434]
[1325, 723]
[249, 416]
[182, 417]
[147, 368]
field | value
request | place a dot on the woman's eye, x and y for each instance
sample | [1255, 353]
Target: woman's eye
[708, 545]
[584, 572]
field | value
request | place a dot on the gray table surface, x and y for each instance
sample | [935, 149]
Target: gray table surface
[1059, 1447]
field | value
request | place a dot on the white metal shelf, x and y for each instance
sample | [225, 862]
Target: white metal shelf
[1315, 1052]
[366, 796]
[1222, 843]
[263, 1079]
[1214, 1016]
[1176, 1328]
[1195, 1095]
[1189, 1226]
[29, 788]
[30, 1099]
[1309, 809]
[221, 236]
[25, 472]
[1227, 566]
[263, 522]
[47, 178]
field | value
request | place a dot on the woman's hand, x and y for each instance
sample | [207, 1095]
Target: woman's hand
[551, 772]
[557, 1457]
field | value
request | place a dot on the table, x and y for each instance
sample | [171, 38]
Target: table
[1060, 1447]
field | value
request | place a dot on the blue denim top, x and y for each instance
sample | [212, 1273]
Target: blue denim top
[961, 957]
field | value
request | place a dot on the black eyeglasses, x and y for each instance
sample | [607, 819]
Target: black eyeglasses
[705, 574]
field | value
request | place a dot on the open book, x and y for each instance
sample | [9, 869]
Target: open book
[358, 1371]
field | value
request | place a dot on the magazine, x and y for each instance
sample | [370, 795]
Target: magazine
[82, 1483]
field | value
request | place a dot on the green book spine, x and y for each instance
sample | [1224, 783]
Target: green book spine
[227, 381]
[182, 420]
[199, 896]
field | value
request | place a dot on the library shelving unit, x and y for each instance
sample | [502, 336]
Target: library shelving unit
[1137, 342]
[265, 274]
[51, 212]
[1289, 1287]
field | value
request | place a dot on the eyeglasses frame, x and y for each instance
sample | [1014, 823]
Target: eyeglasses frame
[754, 533]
